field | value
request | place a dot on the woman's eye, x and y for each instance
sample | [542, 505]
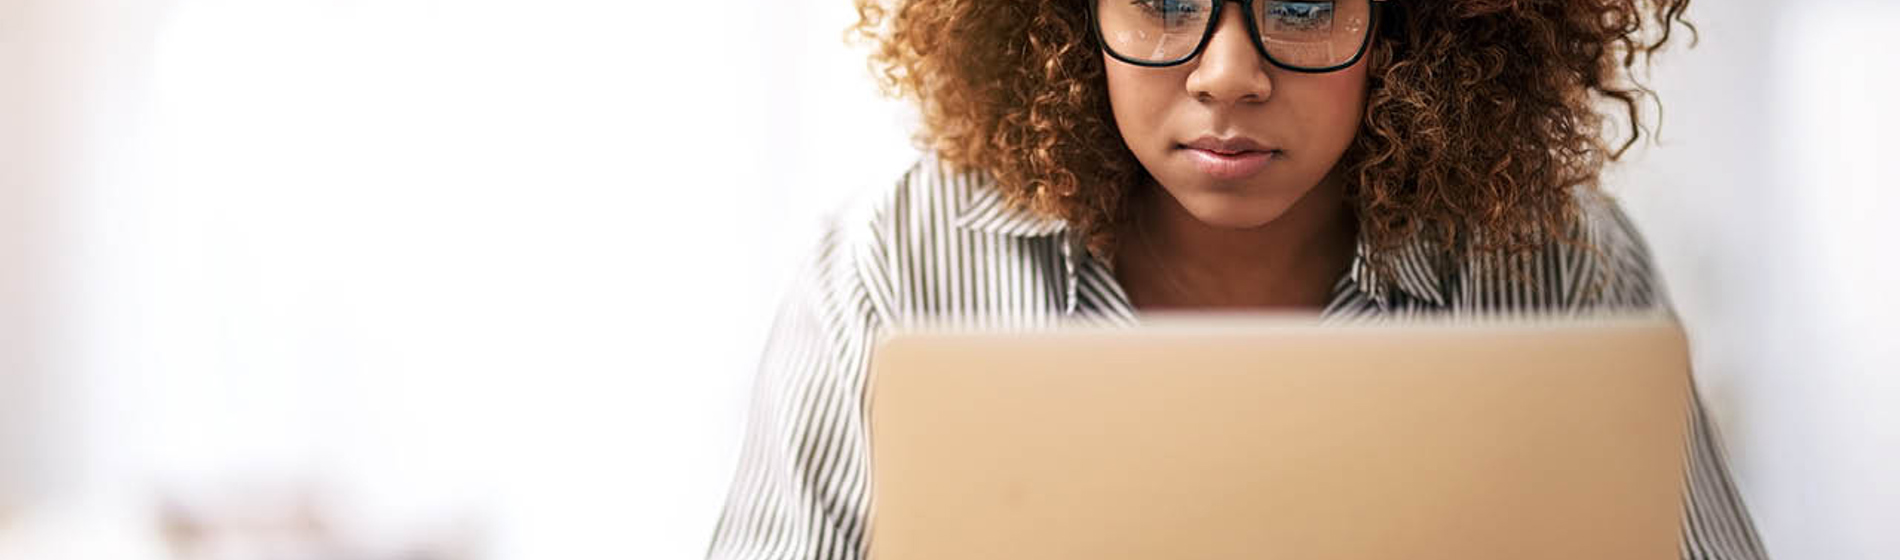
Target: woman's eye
[1300, 16]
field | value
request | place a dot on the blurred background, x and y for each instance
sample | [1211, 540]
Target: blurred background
[487, 279]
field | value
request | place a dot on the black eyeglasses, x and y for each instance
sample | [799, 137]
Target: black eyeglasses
[1303, 36]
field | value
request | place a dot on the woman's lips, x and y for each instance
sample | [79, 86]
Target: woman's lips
[1230, 165]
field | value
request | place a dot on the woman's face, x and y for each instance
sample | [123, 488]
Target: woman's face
[1235, 140]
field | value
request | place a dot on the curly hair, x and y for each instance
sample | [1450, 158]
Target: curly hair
[1482, 122]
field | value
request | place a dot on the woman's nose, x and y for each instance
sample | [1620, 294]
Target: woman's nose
[1231, 69]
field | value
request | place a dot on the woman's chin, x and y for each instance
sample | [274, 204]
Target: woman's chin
[1226, 212]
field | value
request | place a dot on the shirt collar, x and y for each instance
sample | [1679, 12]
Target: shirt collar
[1413, 268]
[986, 210]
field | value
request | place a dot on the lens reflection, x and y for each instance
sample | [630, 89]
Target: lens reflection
[1304, 34]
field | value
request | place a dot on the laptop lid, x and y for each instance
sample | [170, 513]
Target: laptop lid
[1235, 438]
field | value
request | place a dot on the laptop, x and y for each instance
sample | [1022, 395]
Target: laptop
[1220, 438]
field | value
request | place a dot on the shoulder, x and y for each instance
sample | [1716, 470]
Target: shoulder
[1614, 250]
[929, 242]
[925, 201]
[1604, 265]
[917, 213]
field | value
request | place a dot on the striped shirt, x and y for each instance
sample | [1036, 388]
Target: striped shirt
[943, 245]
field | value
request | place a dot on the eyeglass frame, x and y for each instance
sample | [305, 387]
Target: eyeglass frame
[1253, 32]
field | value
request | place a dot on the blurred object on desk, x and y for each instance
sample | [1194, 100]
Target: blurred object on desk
[297, 522]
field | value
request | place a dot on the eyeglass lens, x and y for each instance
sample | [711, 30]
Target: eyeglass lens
[1309, 34]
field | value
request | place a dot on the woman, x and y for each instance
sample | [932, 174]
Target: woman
[1091, 160]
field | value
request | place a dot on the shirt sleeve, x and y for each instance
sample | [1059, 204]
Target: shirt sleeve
[800, 490]
[1715, 524]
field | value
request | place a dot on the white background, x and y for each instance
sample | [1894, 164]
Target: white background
[504, 267]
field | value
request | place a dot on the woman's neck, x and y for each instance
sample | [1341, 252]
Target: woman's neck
[1168, 259]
